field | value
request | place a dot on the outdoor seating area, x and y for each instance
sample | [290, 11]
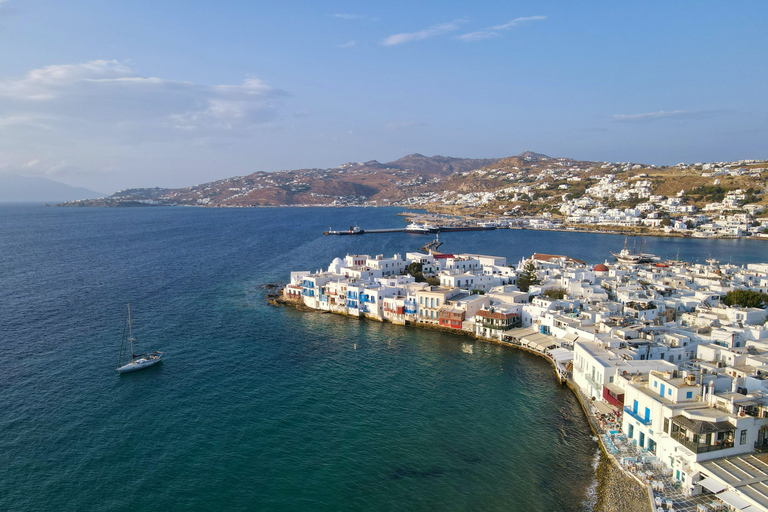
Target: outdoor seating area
[642, 465]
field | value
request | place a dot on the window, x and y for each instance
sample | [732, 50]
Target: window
[655, 383]
[689, 394]
[743, 439]
[669, 392]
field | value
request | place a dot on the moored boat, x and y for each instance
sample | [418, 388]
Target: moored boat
[633, 257]
[353, 230]
[420, 229]
[137, 361]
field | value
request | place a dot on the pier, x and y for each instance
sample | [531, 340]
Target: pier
[386, 230]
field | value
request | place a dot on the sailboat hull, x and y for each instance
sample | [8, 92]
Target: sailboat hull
[139, 364]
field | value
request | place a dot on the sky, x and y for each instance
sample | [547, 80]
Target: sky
[112, 95]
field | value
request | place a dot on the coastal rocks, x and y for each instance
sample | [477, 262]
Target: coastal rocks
[617, 492]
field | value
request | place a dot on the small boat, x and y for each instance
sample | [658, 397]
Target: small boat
[353, 230]
[137, 361]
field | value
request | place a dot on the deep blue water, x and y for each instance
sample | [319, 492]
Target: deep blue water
[263, 408]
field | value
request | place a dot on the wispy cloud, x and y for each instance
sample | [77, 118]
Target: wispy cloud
[347, 16]
[107, 91]
[350, 44]
[662, 114]
[433, 31]
[401, 125]
[495, 30]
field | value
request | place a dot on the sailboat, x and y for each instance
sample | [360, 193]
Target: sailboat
[633, 256]
[137, 361]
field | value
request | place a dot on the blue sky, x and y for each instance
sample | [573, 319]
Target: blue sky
[111, 95]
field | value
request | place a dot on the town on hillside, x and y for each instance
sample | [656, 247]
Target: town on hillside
[533, 191]
[670, 358]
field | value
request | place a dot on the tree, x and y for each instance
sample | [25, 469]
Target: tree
[415, 269]
[528, 276]
[554, 293]
[666, 221]
[745, 299]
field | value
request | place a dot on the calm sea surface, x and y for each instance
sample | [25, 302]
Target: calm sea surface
[263, 408]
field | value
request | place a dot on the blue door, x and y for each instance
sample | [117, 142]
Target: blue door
[647, 414]
[641, 440]
[634, 407]
[662, 390]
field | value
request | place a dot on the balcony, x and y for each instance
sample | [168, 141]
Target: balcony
[699, 447]
[491, 325]
[640, 419]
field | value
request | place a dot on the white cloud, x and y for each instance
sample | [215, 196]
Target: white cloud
[433, 31]
[108, 95]
[493, 31]
[24, 121]
[350, 44]
[32, 163]
[349, 16]
[652, 116]
[401, 125]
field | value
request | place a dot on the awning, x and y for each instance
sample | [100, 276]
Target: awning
[604, 408]
[561, 354]
[733, 500]
[570, 337]
[614, 388]
[712, 484]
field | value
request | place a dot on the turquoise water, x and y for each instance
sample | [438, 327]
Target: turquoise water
[256, 407]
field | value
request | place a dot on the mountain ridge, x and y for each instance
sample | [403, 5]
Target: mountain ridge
[18, 188]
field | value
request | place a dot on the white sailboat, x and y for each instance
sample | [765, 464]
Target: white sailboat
[137, 361]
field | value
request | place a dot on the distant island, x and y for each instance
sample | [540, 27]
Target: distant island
[15, 189]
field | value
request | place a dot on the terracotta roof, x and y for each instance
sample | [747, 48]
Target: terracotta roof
[600, 268]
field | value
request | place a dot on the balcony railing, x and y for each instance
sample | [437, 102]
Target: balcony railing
[699, 447]
[636, 416]
[491, 325]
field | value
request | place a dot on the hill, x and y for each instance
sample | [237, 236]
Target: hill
[38, 189]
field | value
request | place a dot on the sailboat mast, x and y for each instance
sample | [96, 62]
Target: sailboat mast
[130, 331]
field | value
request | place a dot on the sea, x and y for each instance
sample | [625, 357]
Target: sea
[257, 407]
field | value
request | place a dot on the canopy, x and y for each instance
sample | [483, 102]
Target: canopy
[733, 500]
[561, 354]
[712, 484]
[570, 337]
